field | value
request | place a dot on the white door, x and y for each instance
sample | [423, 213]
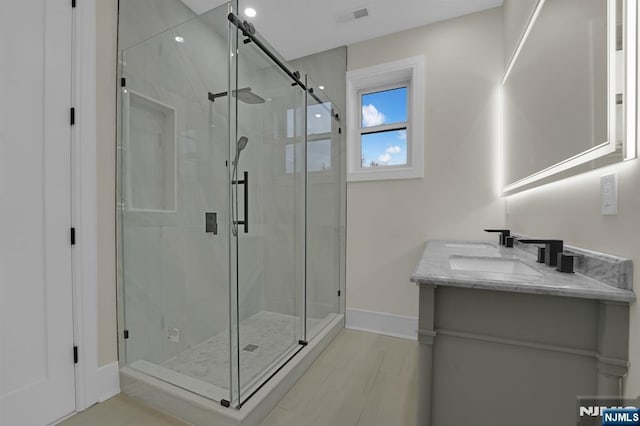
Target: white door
[36, 320]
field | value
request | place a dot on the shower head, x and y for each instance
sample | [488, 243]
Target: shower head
[247, 96]
[244, 95]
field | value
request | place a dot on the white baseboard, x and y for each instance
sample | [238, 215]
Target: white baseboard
[382, 323]
[108, 381]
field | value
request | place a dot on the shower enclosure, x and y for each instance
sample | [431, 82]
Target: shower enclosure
[231, 209]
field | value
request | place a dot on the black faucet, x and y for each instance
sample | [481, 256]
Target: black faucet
[504, 233]
[549, 253]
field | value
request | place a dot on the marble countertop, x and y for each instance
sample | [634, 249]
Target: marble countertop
[434, 268]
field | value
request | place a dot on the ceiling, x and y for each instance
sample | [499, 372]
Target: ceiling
[301, 27]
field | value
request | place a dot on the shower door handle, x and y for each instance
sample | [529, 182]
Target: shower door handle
[244, 182]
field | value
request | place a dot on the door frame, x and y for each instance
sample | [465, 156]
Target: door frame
[93, 383]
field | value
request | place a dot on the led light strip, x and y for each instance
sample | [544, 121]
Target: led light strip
[499, 149]
[630, 150]
[612, 72]
[532, 21]
[631, 49]
[584, 157]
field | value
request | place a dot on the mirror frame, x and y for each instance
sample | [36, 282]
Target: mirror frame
[577, 163]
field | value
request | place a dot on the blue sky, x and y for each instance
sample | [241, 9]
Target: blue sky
[384, 148]
[389, 107]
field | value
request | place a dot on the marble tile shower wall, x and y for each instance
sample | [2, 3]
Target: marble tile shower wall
[323, 251]
[176, 275]
[283, 196]
[325, 226]
[250, 246]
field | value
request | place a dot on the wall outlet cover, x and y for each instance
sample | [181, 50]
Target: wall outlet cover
[609, 194]
[173, 334]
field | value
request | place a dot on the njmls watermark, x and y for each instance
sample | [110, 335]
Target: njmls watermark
[601, 411]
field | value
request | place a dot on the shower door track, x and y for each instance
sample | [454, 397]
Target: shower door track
[302, 344]
[248, 31]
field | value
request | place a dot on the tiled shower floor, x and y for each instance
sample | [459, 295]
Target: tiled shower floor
[268, 334]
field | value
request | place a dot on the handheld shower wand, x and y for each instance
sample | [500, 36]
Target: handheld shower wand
[240, 146]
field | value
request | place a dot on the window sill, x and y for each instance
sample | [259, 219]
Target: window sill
[394, 173]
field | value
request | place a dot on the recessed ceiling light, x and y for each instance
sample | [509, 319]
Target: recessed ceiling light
[321, 87]
[250, 12]
[318, 115]
[179, 39]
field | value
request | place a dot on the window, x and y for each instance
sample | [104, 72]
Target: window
[383, 128]
[386, 106]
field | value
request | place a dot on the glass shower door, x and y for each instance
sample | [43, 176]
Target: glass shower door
[325, 204]
[174, 207]
[268, 218]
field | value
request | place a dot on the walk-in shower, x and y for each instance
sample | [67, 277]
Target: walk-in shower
[231, 209]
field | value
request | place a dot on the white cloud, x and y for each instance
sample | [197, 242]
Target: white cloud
[371, 116]
[384, 158]
[402, 135]
[387, 157]
[395, 149]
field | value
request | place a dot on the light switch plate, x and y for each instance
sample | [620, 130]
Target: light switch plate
[609, 194]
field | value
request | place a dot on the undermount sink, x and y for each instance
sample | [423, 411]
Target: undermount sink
[488, 264]
[470, 245]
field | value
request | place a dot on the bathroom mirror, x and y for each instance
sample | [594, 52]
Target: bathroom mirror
[568, 92]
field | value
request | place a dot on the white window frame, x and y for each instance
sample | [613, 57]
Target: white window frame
[407, 72]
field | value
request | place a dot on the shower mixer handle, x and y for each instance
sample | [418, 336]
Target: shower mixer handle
[245, 221]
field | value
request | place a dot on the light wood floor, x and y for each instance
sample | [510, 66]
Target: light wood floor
[121, 411]
[361, 379]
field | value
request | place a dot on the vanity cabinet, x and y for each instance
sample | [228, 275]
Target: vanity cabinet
[496, 353]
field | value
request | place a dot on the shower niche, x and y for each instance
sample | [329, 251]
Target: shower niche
[149, 148]
[224, 319]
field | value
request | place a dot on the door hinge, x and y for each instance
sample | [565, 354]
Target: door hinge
[126, 334]
[75, 354]
[73, 236]
[72, 116]
[123, 82]
[73, 3]
[339, 293]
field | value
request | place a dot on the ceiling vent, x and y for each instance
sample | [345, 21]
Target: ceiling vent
[359, 13]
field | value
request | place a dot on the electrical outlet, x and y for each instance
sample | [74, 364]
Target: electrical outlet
[609, 194]
[173, 334]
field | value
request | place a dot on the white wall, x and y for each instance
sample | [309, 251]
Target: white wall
[388, 222]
